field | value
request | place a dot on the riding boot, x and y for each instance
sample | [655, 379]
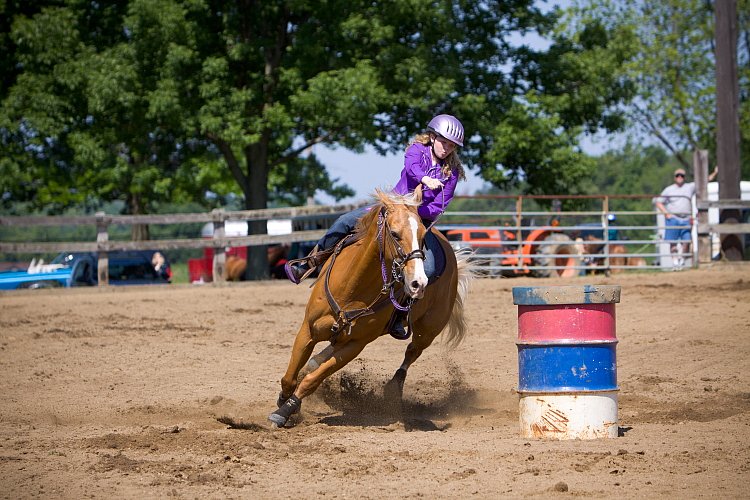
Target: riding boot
[299, 269]
[297, 272]
[397, 328]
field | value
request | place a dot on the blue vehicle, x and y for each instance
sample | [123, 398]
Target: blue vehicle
[142, 267]
[16, 280]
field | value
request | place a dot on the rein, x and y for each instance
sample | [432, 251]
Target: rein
[346, 319]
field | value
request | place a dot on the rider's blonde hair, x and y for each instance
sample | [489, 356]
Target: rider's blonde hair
[452, 163]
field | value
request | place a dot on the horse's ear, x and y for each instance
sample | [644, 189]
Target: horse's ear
[418, 193]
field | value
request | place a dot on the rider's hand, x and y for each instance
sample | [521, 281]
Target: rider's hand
[667, 215]
[431, 183]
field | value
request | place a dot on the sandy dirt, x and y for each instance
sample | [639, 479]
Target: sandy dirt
[121, 393]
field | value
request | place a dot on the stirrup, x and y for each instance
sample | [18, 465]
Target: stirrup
[399, 333]
[313, 260]
[396, 327]
[292, 272]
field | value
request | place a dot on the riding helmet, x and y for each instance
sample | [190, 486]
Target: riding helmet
[449, 127]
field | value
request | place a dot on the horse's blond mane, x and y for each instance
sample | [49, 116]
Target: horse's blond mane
[413, 199]
[382, 198]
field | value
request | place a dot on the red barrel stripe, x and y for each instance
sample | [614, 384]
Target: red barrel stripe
[575, 322]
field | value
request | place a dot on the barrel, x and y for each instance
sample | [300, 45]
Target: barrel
[567, 364]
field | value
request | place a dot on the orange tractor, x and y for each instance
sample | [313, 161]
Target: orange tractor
[543, 252]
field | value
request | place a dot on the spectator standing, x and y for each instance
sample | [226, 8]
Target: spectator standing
[676, 204]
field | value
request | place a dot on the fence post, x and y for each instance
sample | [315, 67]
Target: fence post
[519, 232]
[702, 254]
[102, 237]
[605, 232]
[220, 258]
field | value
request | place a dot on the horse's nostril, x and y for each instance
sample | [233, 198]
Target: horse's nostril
[415, 285]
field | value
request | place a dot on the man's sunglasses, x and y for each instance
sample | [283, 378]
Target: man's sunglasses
[679, 175]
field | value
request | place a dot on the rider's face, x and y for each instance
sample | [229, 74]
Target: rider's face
[442, 147]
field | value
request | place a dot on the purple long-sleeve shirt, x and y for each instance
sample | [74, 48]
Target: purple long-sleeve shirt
[417, 164]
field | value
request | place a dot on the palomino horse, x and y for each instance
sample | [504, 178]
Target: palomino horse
[353, 300]
[618, 256]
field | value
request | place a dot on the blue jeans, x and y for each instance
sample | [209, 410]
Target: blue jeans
[345, 225]
[677, 233]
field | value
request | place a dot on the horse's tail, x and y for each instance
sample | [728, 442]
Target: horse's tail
[456, 329]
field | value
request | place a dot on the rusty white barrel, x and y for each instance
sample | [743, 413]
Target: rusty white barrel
[567, 365]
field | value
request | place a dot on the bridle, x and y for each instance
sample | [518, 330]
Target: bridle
[345, 319]
[399, 262]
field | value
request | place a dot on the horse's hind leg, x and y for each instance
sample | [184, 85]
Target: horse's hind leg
[394, 389]
[319, 358]
[340, 357]
[316, 360]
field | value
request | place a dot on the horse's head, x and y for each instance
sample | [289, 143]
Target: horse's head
[403, 237]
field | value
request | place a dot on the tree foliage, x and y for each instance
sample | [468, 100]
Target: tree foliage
[77, 118]
[155, 101]
[673, 70]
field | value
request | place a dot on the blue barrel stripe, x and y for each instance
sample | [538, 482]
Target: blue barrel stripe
[564, 368]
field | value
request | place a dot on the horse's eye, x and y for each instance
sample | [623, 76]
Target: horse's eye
[395, 236]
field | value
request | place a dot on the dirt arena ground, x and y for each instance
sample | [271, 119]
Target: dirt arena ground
[119, 393]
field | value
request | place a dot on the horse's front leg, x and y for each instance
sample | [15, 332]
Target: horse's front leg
[342, 354]
[301, 351]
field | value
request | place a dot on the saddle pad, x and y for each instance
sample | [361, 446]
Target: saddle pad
[434, 251]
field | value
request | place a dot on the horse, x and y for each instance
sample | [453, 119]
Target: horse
[618, 255]
[357, 291]
[235, 267]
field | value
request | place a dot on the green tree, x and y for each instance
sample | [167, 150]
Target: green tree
[634, 169]
[92, 117]
[148, 100]
[571, 89]
[80, 111]
[673, 71]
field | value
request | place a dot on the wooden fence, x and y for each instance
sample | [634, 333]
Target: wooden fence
[303, 216]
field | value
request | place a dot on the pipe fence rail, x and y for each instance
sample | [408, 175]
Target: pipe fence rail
[597, 234]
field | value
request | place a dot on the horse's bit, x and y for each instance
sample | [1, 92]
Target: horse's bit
[346, 319]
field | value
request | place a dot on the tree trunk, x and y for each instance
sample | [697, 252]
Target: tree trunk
[256, 197]
[138, 232]
[727, 121]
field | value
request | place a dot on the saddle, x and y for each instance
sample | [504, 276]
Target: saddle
[433, 246]
[435, 264]
[317, 257]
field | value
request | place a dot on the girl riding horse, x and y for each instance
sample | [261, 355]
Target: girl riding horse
[431, 161]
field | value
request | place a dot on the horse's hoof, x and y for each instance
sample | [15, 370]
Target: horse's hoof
[277, 421]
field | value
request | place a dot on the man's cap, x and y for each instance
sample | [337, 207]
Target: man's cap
[680, 171]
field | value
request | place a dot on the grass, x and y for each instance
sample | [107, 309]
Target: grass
[179, 273]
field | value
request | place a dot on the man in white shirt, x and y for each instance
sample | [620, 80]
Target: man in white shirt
[676, 205]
